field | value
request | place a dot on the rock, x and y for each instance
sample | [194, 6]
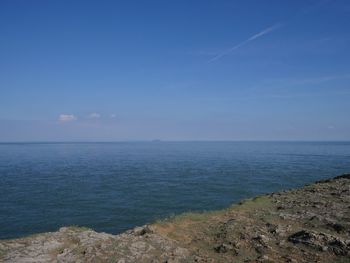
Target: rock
[291, 260]
[337, 227]
[321, 241]
[264, 258]
[140, 231]
[260, 249]
[223, 248]
[339, 247]
[262, 239]
[303, 236]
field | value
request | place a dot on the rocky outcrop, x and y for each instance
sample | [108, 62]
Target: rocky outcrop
[322, 242]
[311, 224]
[72, 244]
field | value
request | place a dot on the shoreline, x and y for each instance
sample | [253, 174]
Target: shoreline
[308, 224]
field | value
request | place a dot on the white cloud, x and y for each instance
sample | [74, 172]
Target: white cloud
[113, 116]
[67, 117]
[94, 115]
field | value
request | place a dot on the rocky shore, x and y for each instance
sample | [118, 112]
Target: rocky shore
[310, 224]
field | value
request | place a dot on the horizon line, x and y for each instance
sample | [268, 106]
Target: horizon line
[159, 141]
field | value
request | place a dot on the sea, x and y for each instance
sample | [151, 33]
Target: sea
[115, 186]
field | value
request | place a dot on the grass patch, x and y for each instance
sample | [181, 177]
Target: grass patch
[247, 204]
[192, 216]
[253, 203]
[184, 217]
[2, 253]
[76, 228]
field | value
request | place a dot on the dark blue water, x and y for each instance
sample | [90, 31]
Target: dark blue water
[115, 186]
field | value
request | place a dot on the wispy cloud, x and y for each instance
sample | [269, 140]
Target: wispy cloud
[67, 117]
[94, 115]
[245, 42]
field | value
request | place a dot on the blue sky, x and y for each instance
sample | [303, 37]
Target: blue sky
[174, 70]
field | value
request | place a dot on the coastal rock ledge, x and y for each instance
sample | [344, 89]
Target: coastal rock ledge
[310, 224]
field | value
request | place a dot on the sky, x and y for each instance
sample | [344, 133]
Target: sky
[174, 70]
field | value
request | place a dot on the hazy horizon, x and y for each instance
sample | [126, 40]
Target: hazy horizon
[174, 141]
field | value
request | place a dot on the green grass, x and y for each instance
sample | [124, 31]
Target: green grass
[247, 204]
[193, 216]
[253, 203]
[188, 216]
[78, 228]
[2, 253]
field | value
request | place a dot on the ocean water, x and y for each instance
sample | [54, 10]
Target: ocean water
[112, 187]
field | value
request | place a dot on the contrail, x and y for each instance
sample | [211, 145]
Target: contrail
[256, 36]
